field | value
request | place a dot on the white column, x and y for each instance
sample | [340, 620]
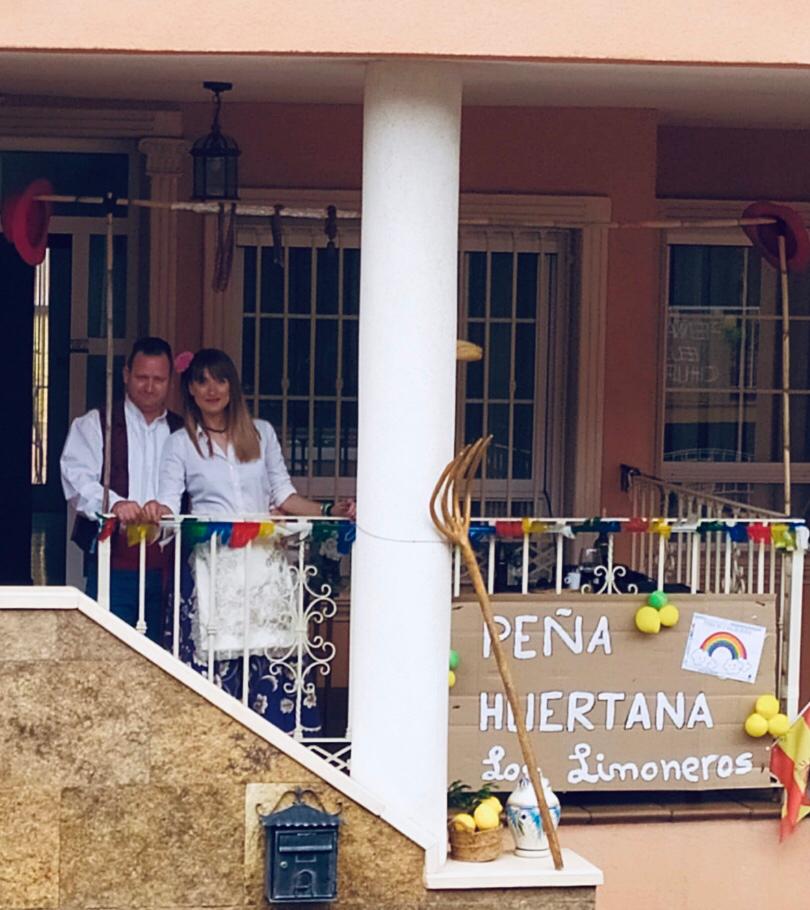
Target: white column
[401, 577]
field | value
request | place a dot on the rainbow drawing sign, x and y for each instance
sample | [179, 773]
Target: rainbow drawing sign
[724, 648]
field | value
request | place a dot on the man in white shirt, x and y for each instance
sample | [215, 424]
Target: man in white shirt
[140, 426]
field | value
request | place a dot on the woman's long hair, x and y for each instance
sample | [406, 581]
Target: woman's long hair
[238, 422]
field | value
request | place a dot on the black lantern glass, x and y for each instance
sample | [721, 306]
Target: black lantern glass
[216, 157]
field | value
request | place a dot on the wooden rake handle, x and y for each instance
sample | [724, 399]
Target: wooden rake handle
[511, 694]
[450, 507]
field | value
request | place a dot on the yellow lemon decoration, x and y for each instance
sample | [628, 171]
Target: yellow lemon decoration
[486, 817]
[778, 725]
[756, 725]
[648, 620]
[494, 802]
[451, 678]
[669, 615]
[767, 706]
[463, 822]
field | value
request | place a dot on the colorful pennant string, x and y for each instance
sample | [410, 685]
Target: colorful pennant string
[480, 530]
[509, 530]
[636, 525]
[532, 526]
[142, 531]
[661, 527]
[323, 530]
[712, 527]
[591, 526]
[266, 529]
[347, 534]
[759, 533]
[610, 527]
[222, 529]
[783, 537]
[737, 532]
[242, 533]
[106, 527]
[197, 531]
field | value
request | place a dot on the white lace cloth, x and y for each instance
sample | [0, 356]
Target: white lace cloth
[218, 622]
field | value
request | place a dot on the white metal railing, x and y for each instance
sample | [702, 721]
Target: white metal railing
[723, 556]
[297, 612]
[650, 495]
[705, 555]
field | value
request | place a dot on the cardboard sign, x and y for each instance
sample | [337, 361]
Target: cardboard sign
[607, 707]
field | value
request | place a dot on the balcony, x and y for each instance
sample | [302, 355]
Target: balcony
[693, 553]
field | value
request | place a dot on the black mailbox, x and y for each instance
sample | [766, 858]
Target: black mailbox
[301, 858]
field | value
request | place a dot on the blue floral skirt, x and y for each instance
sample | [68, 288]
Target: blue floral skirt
[271, 685]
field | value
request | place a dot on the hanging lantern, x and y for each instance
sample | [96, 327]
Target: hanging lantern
[216, 157]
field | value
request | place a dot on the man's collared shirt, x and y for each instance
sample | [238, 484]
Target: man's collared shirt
[82, 461]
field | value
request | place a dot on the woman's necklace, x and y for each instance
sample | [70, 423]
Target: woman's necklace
[214, 430]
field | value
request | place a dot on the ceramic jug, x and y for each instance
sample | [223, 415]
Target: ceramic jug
[523, 817]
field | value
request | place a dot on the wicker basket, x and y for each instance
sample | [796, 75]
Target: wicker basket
[476, 846]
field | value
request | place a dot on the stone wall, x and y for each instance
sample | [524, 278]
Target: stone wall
[122, 788]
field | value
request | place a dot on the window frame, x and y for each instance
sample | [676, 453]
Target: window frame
[751, 472]
[588, 216]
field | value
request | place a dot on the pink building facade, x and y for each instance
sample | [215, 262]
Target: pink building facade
[482, 162]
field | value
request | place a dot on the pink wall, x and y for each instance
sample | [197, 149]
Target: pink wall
[690, 30]
[722, 865]
[507, 150]
[734, 164]
[579, 151]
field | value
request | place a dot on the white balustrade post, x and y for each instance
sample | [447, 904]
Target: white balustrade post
[178, 551]
[212, 605]
[140, 625]
[103, 555]
[794, 632]
[246, 555]
[401, 568]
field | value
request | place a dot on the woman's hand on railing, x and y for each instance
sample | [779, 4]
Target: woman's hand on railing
[153, 511]
[345, 508]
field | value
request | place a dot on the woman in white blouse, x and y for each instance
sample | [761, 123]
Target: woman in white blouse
[227, 462]
[232, 468]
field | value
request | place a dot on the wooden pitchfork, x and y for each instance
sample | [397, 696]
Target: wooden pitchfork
[452, 497]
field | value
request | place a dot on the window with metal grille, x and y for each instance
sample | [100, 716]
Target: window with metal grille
[300, 309]
[723, 373]
[513, 302]
[299, 356]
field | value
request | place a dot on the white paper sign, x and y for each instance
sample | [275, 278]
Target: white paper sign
[723, 648]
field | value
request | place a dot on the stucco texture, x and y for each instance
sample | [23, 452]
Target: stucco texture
[689, 31]
[122, 788]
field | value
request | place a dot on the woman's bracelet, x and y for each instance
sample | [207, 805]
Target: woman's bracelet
[326, 508]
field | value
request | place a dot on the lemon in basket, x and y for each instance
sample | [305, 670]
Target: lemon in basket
[486, 817]
[463, 822]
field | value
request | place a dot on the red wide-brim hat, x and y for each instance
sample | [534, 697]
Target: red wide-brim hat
[25, 221]
[788, 224]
